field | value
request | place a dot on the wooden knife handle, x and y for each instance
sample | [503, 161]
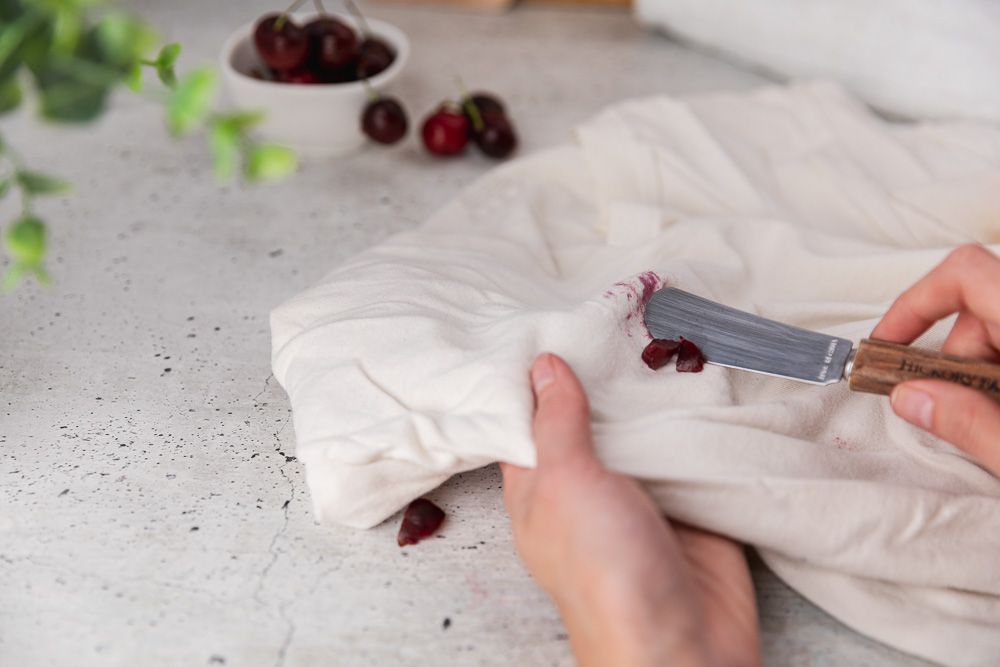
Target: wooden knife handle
[880, 366]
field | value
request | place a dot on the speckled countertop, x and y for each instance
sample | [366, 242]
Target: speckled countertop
[151, 508]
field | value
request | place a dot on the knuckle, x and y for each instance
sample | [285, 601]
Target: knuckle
[969, 253]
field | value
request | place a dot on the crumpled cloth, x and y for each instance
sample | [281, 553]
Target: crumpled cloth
[918, 58]
[409, 363]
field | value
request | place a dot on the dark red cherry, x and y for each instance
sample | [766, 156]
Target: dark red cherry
[374, 56]
[332, 43]
[280, 42]
[497, 138]
[659, 352]
[689, 357]
[420, 520]
[343, 74]
[445, 131]
[384, 120]
[487, 103]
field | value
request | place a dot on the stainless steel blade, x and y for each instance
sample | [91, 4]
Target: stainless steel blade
[737, 339]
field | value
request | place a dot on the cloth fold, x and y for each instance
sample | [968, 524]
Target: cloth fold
[409, 363]
[917, 58]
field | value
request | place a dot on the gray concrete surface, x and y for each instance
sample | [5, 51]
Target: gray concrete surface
[151, 510]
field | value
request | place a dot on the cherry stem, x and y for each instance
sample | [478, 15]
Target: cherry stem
[319, 7]
[470, 106]
[353, 8]
[280, 23]
[373, 95]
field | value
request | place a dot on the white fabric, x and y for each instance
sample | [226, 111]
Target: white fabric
[409, 363]
[920, 58]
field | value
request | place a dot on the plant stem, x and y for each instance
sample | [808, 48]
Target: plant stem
[280, 23]
[353, 8]
[319, 7]
[470, 106]
[373, 94]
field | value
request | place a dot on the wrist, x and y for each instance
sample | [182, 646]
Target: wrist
[639, 629]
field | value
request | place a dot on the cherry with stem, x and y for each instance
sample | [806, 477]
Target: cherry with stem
[470, 108]
[280, 42]
[374, 55]
[490, 128]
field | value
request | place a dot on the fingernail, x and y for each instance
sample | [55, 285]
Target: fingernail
[543, 373]
[913, 405]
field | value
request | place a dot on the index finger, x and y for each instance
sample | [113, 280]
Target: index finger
[968, 279]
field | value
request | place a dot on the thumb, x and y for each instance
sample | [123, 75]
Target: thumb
[967, 418]
[562, 416]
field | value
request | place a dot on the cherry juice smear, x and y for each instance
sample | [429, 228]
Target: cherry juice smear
[638, 291]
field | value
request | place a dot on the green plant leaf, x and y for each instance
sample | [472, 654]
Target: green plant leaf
[17, 272]
[134, 78]
[82, 70]
[10, 10]
[41, 274]
[123, 38]
[224, 142]
[73, 88]
[226, 137]
[268, 162]
[164, 64]
[73, 102]
[10, 95]
[35, 183]
[190, 102]
[167, 76]
[241, 121]
[16, 40]
[4, 187]
[67, 26]
[14, 276]
[168, 55]
[25, 240]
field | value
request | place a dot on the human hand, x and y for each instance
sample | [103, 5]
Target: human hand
[632, 588]
[967, 282]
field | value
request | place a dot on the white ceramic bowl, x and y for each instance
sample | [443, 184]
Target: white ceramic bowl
[314, 119]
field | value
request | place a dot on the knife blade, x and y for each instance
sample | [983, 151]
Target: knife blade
[737, 339]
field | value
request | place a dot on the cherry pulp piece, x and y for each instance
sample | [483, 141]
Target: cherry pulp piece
[420, 520]
[445, 132]
[332, 43]
[280, 42]
[384, 120]
[659, 352]
[689, 358]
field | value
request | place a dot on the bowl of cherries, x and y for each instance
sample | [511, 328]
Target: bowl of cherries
[312, 75]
